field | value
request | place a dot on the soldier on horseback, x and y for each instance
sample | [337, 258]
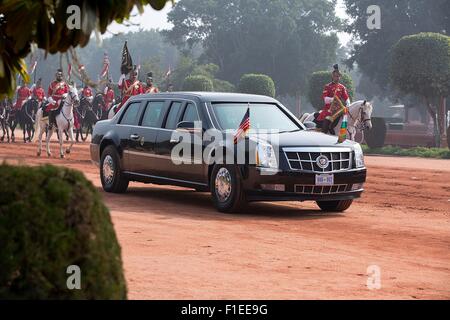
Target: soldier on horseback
[23, 93]
[38, 92]
[150, 88]
[335, 95]
[87, 93]
[56, 91]
[130, 87]
[109, 96]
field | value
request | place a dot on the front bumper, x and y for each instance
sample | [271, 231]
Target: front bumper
[299, 185]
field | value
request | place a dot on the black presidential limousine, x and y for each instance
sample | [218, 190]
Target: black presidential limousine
[186, 139]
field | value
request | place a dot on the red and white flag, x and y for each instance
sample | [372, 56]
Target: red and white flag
[33, 67]
[105, 68]
[243, 127]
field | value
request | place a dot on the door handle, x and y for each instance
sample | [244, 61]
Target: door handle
[134, 137]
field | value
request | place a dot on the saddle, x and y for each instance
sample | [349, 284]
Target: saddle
[320, 123]
[52, 113]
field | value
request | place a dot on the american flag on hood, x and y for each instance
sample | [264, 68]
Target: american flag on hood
[243, 127]
[105, 68]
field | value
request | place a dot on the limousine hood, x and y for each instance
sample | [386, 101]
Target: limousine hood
[302, 138]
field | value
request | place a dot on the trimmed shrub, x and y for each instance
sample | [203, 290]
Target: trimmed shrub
[197, 83]
[223, 86]
[257, 84]
[52, 218]
[377, 135]
[317, 82]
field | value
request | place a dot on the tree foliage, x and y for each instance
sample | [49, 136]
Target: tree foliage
[44, 23]
[317, 82]
[398, 18]
[198, 83]
[257, 84]
[421, 66]
[283, 39]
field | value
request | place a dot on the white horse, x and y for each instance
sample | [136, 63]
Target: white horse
[64, 121]
[359, 118]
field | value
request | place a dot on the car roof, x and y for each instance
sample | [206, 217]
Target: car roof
[212, 96]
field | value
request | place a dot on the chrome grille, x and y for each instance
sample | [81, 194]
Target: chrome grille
[313, 189]
[304, 159]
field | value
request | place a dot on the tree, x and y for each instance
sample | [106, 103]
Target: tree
[257, 84]
[371, 51]
[421, 65]
[285, 39]
[198, 83]
[317, 82]
[24, 23]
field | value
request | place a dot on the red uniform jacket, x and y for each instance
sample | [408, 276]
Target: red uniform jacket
[151, 89]
[109, 98]
[130, 89]
[56, 90]
[329, 91]
[22, 95]
[39, 94]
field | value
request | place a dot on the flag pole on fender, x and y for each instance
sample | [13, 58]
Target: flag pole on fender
[343, 130]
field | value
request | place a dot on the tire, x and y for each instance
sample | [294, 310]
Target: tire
[116, 182]
[335, 206]
[233, 199]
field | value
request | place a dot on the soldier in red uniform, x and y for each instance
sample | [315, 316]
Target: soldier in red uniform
[38, 92]
[332, 90]
[56, 91]
[109, 96]
[87, 93]
[23, 93]
[130, 87]
[150, 88]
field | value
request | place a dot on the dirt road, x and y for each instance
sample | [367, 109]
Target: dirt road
[175, 245]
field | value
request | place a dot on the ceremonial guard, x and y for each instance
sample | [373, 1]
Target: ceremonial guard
[56, 91]
[109, 96]
[87, 93]
[150, 88]
[38, 92]
[335, 96]
[23, 93]
[130, 87]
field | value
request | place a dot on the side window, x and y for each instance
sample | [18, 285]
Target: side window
[190, 113]
[152, 114]
[173, 116]
[130, 116]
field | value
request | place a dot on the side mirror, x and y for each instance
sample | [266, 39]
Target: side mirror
[188, 126]
[309, 125]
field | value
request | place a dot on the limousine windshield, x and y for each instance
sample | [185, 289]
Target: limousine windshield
[263, 116]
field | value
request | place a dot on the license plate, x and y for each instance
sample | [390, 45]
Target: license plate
[324, 179]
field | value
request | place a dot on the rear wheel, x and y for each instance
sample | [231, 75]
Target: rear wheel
[226, 189]
[335, 206]
[111, 174]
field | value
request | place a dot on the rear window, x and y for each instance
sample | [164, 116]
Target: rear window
[152, 114]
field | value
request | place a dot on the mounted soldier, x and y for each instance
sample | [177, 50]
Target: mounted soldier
[130, 87]
[57, 90]
[86, 93]
[150, 88]
[38, 92]
[109, 96]
[335, 96]
[23, 93]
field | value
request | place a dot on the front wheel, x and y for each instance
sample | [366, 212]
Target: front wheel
[111, 174]
[335, 206]
[226, 189]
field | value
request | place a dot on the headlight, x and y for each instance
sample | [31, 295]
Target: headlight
[359, 156]
[265, 155]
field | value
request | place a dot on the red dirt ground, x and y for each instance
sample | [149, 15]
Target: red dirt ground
[175, 245]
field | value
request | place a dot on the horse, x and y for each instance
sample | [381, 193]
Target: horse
[88, 114]
[64, 121]
[112, 111]
[5, 109]
[359, 118]
[27, 118]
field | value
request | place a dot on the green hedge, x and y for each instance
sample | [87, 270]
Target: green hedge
[198, 83]
[257, 84]
[422, 152]
[317, 82]
[51, 218]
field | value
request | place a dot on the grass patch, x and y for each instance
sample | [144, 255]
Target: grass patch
[422, 152]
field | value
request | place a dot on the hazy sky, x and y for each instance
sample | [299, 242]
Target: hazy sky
[152, 19]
